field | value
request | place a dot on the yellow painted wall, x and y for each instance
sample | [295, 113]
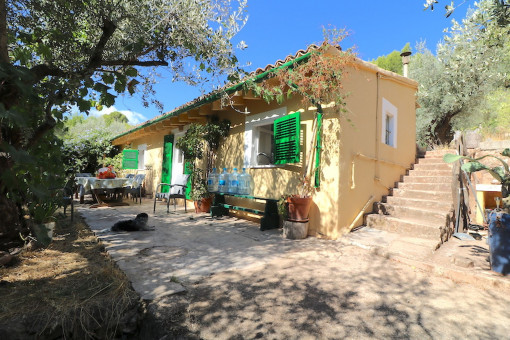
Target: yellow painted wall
[153, 158]
[369, 167]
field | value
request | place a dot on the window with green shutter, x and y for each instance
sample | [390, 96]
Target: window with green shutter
[129, 159]
[286, 139]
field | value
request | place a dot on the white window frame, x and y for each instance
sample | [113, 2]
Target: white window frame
[251, 135]
[141, 156]
[391, 111]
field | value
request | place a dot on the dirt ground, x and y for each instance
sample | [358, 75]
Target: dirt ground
[346, 293]
[69, 290]
[73, 290]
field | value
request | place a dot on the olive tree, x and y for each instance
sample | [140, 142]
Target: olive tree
[59, 54]
[472, 61]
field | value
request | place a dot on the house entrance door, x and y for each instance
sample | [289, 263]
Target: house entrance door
[178, 158]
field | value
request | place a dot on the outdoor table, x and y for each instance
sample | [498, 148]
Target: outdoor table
[96, 185]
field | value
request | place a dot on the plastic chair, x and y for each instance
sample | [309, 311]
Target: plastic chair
[135, 189]
[177, 189]
[80, 190]
[65, 196]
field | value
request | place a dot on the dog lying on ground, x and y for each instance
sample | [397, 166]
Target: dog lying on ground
[138, 224]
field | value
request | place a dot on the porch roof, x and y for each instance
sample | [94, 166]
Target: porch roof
[256, 76]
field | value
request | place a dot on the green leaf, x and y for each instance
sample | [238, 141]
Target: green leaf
[108, 78]
[83, 105]
[450, 158]
[99, 87]
[131, 72]
[132, 86]
[506, 152]
[499, 170]
[120, 85]
[108, 99]
[473, 166]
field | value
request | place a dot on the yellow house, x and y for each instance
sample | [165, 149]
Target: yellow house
[362, 153]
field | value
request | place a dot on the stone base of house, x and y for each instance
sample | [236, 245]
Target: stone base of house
[295, 230]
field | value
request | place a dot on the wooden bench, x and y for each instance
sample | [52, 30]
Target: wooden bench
[269, 219]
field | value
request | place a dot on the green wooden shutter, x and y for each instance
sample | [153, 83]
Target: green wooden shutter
[166, 172]
[188, 171]
[286, 139]
[129, 159]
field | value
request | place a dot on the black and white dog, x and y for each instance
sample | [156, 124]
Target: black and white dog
[138, 224]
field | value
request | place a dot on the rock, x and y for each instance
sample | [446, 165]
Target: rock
[5, 258]
[295, 230]
[463, 262]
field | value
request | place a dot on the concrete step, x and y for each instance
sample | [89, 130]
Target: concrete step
[435, 172]
[438, 152]
[423, 194]
[431, 161]
[428, 204]
[407, 227]
[428, 216]
[425, 186]
[428, 179]
[429, 166]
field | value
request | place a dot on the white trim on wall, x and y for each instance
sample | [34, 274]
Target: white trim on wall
[391, 111]
[141, 156]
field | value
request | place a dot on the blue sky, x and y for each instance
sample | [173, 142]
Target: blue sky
[277, 28]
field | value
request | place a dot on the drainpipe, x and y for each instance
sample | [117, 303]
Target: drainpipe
[405, 62]
[377, 129]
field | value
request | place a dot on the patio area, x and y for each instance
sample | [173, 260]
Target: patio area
[186, 247]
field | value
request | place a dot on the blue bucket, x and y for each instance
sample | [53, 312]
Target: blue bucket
[499, 241]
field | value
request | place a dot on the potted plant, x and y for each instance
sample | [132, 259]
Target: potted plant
[499, 219]
[197, 139]
[43, 221]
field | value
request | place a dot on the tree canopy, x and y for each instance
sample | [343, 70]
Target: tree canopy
[392, 61]
[60, 54]
[471, 62]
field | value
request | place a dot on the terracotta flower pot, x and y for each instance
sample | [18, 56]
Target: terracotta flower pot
[204, 205]
[299, 207]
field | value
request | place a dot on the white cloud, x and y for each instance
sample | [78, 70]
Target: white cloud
[134, 118]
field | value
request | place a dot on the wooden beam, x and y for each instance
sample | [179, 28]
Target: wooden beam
[194, 115]
[175, 121]
[216, 106]
[237, 101]
[250, 96]
[205, 110]
[167, 123]
[183, 118]
[201, 120]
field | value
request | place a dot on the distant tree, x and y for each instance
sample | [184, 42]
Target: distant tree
[86, 143]
[115, 116]
[392, 61]
[472, 61]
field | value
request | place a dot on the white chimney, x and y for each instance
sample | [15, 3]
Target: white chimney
[405, 61]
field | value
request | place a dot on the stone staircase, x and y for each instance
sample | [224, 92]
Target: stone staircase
[421, 205]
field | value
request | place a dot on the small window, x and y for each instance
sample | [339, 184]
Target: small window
[264, 148]
[259, 145]
[389, 124]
